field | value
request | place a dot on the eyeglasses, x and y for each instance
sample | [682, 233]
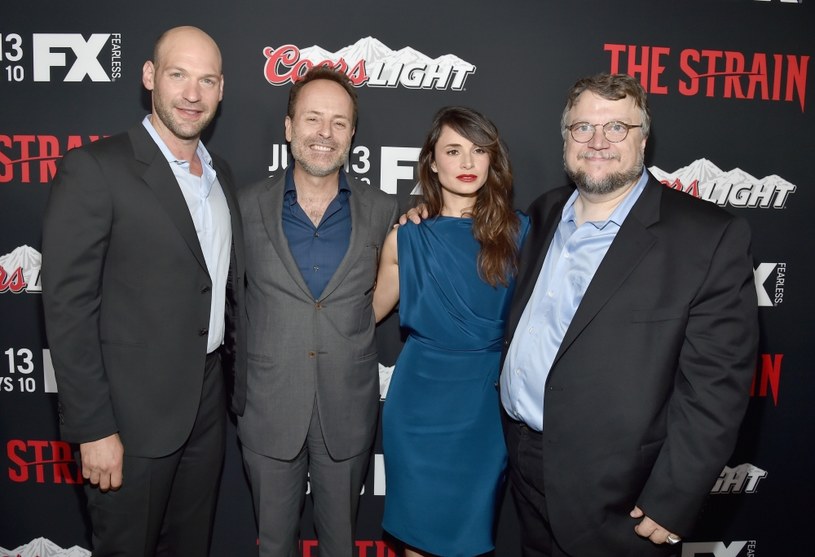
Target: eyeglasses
[614, 132]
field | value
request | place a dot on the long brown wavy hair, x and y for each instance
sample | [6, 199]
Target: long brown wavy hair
[495, 224]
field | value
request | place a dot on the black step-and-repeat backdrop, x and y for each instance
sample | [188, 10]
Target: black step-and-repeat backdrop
[731, 93]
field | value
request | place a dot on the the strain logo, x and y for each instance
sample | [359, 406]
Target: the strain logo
[30, 158]
[42, 462]
[20, 271]
[743, 478]
[735, 188]
[767, 377]
[727, 74]
[369, 62]
[43, 547]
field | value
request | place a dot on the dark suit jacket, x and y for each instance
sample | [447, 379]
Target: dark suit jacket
[302, 350]
[126, 294]
[645, 396]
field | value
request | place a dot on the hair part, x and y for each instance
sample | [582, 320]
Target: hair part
[495, 224]
[329, 74]
[612, 87]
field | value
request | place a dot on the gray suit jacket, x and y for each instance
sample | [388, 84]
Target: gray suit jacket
[302, 350]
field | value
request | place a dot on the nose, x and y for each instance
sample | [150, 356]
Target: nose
[325, 129]
[192, 91]
[466, 160]
[598, 140]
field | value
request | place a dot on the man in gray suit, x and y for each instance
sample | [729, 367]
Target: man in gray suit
[313, 236]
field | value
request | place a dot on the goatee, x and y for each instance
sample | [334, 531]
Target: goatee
[605, 184]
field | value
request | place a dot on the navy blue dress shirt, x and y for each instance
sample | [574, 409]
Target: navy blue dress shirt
[317, 250]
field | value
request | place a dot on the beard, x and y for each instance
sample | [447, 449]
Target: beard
[181, 130]
[319, 168]
[608, 183]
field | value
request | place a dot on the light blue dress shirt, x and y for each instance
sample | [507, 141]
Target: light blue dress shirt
[573, 257]
[213, 225]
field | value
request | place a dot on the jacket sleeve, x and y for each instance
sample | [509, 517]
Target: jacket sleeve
[76, 233]
[711, 391]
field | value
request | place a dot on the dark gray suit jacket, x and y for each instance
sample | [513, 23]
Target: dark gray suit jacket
[646, 393]
[302, 350]
[127, 294]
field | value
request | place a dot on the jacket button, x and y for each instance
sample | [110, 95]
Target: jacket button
[205, 289]
[203, 332]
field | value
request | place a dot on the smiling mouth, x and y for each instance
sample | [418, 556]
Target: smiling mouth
[591, 156]
[321, 148]
[193, 112]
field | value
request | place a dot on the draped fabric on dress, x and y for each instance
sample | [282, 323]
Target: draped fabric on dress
[444, 448]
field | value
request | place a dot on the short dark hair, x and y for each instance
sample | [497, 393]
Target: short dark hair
[613, 87]
[327, 73]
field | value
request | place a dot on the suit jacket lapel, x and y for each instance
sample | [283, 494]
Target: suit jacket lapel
[270, 204]
[359, 231]
[159, 177]
[544, 222]
[632, 242]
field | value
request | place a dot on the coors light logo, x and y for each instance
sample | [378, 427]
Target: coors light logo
[735, 187]
[369, 62]
[20, 271]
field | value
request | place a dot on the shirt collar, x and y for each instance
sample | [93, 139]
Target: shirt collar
[290, 193]
[202, 152]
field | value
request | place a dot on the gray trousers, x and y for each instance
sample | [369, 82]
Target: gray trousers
[279, 494]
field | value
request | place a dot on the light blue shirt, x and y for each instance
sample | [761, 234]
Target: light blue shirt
[573, 257]
[213, 225]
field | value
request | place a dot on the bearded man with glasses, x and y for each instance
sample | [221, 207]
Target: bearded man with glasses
[630, 343]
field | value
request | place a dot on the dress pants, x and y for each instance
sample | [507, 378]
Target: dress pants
[525, 448]
[166, 506]
[279, 492]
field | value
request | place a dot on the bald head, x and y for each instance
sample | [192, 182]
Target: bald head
[187, 84]
[187, 37]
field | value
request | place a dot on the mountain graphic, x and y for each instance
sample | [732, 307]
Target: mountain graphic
[42, 547]
[717, 185]
[374, 51]
[29, 260]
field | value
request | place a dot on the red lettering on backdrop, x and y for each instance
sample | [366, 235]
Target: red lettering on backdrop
[768, 376]
[284, 65]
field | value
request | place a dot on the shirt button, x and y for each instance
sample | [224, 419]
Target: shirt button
[316, 268]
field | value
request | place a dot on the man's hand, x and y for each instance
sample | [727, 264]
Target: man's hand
[102, 462]
[647, 528]
[414, 215]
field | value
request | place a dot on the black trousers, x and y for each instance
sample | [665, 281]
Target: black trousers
[166, 506]
[525, 448]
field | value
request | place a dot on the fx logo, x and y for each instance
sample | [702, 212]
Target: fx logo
[717, 549]
[770, 294]
[50, 51]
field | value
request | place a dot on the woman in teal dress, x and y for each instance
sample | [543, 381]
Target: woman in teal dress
[453, 275]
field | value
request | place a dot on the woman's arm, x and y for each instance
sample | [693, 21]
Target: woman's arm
[386, 293]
